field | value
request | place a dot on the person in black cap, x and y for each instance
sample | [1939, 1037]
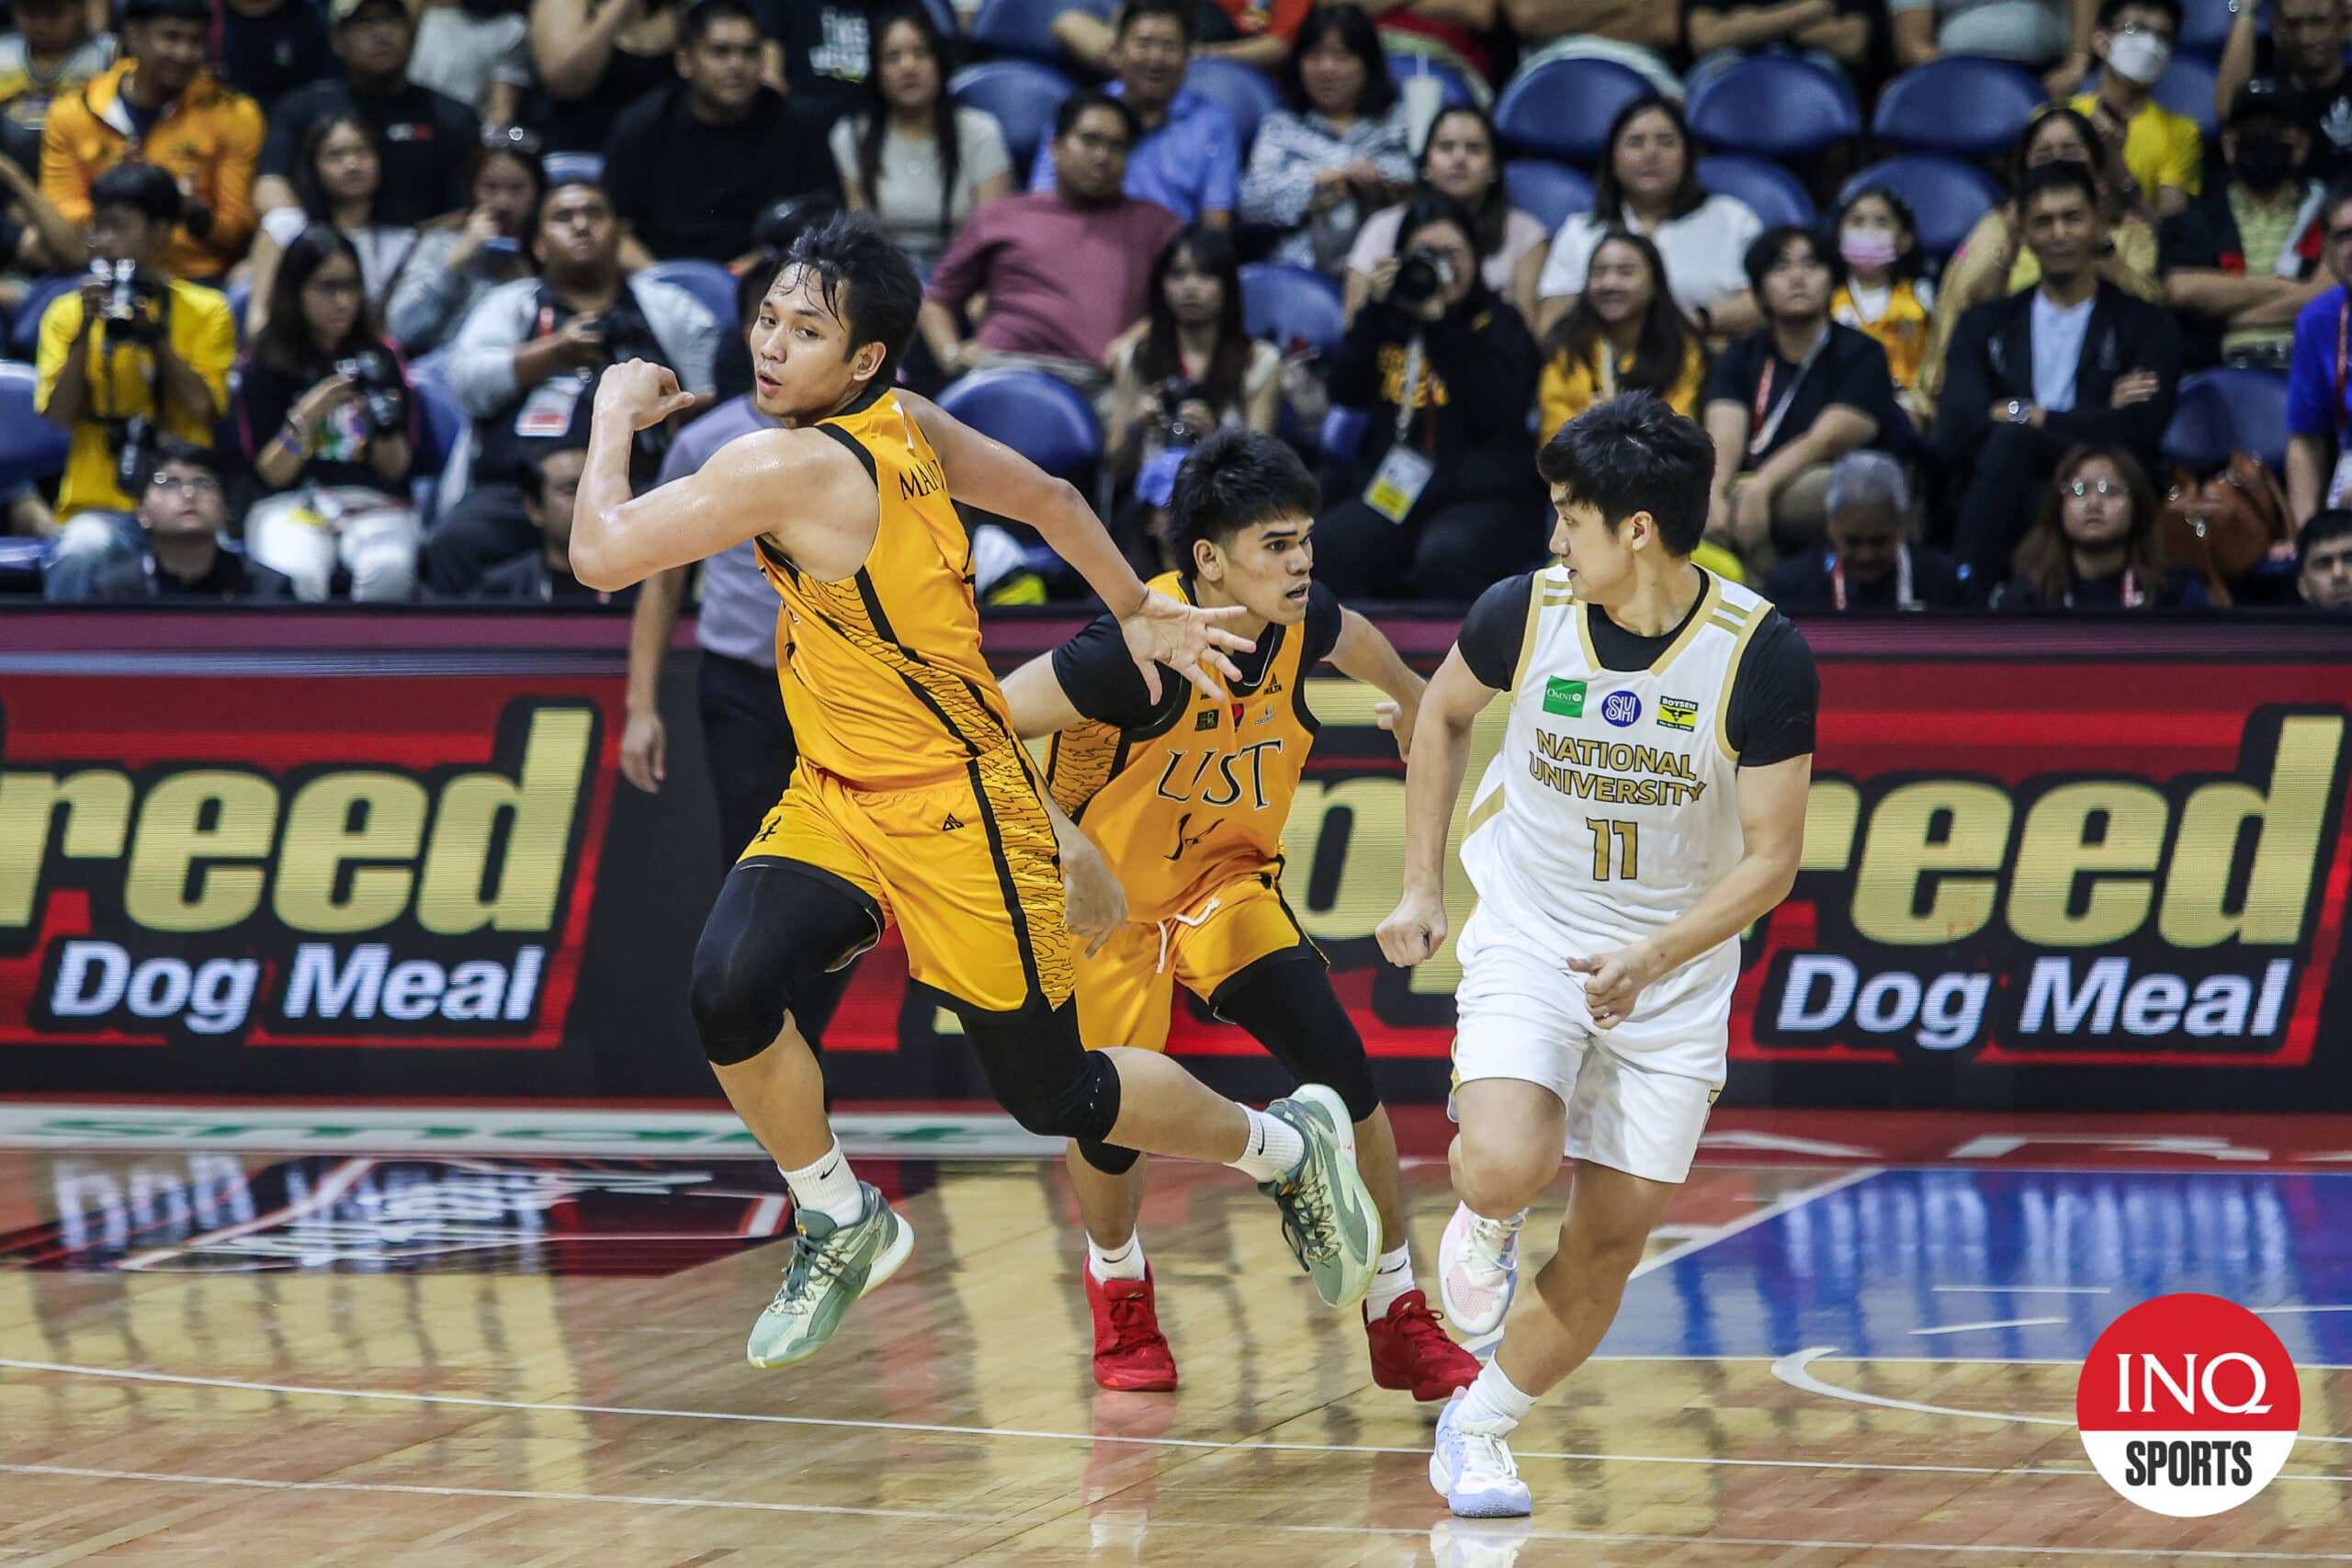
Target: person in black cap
[2241, 261]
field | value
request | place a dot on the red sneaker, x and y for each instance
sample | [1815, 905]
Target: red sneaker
[1410, 1350]
[1130, 1352]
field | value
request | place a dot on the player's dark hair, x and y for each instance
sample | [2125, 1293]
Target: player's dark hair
[145, 188]
[2108, 10]
[704, 14]
[2058, 177]
[868, 281]
[2324, 526]
[1177, 11]
[1764, 252]
[1077, 103]
[1631, 453]
[1237, 478]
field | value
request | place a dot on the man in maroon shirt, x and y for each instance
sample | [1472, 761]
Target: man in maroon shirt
[1064, 271]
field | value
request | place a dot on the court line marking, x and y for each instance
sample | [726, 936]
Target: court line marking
[1022, 1527]
[2030, 1289]
[480, 1402]
[1749, 1222]
[1996, 1323]
[1796, 1371]
[2285, 1311]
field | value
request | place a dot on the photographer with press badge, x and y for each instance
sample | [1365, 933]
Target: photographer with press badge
[134, 355]
[1445, 499]
[325, 413]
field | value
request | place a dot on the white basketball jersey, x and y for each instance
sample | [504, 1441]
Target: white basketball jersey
[1612, 808]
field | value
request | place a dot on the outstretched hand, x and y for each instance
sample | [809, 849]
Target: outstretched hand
[1185, 638]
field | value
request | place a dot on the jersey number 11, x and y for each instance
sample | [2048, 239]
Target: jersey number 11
[1628, 839]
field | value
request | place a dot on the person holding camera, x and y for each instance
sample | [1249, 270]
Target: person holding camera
[464, 256]
[1447, 368]
[325, 413]
[524, 366]
[183, 507]
[1189, 368]
[134, 355]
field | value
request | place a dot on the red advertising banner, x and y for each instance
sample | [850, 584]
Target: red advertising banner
[2046, 863]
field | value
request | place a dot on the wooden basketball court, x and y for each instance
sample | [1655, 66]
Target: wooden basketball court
[243, 1357]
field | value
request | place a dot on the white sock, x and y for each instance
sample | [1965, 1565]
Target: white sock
[1391, 1279]
[1275, 1147]
[827, 1187]
[1495, 1401]
[1122, 1262]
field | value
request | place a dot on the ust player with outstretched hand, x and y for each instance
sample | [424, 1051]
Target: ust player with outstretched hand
[913, 801]
[1186, 793]
[1647, 805]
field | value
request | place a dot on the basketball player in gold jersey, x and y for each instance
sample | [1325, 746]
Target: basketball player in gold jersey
[1186, 793]
[913, 801]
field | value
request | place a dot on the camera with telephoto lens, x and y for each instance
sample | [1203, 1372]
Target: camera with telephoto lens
[132, 312]
[132, 442]
[1174, 393]
[383, 396]
[1423, 274]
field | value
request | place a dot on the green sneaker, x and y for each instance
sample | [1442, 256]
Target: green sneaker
[1327, 1216]
[832, 1265]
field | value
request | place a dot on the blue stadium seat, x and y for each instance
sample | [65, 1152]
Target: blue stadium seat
[712, 286]
[241, 296]
[2204, 27]
[1777, 196]
[1246, 93]
[563, 167]
[444, 421]
[1546, 191]
[1968, 106]
[2227, 411]
[30, 447]
[1025, 29]
[1563, 108]
[1774, 108]
[24, 326]
[1946, 195]
[1289, 303]
[1343, 432]
[1049, 422]
[1023, 96]
[1403, 67]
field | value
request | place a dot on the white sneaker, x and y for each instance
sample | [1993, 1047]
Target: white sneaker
[1477, 1269]
[1473, 1471]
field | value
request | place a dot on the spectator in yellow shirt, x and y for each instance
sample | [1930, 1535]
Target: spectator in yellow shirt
[1882, 296]
[158, 107]
[134, 356]
[2164, 151]
[1624, 334]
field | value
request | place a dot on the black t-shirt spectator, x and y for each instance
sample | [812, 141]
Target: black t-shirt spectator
[428, 137]
[233, 579]
[1099, 675]
[1480, 366]
[2326, 110]
[1774, 699]
[1849, 369]
[268, 56]
[825, 52]
[1809, 583]
[691, 189]
[267, 394]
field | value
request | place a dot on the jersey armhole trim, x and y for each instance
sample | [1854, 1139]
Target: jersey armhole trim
[857, 449]
[1535, 595]
[1731, 678]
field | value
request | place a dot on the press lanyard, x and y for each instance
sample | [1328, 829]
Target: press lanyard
[1903, 600]
[1768, 427]
[2130, 592]
[1608, 369]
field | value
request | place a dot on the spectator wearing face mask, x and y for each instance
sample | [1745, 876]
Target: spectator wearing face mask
[2164, 151]
[1883, 295]
[2324, 561]
[2241, 263]
[2304, 54]
[1870, 566]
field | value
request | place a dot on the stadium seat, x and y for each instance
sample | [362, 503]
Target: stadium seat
[24, 326]
[1563, 108]
[1287, 304]
[1023, 96]
[1049, 422]
[2227, 411]
[561, 166]
[1968, 105]
[712, 286]
[240, 295]
[1774, 108]
[1343, 432]
[1025, 29]
[1550, 193]
[30, 447]
[1403, 67]
[1946, 195]
[1246, 93]
[443, 421]
[2204, 27]
[1777, 196]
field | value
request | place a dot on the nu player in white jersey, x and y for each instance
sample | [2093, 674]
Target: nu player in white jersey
[1646, 806]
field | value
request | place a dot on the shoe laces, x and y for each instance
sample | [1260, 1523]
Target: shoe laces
[1485, 1454]
[1417, 1324]
[821, 1260]
[1307, 1216]
[1131, 1321]
[1490, 1242]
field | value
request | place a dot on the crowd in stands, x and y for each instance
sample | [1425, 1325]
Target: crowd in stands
[311, 296]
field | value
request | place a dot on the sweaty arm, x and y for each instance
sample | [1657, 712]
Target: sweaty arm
[1362, 653]
[1433, 772]
[1039, 705]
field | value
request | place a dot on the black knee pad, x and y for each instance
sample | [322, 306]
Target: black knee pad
[777, 926]
[1039, 1072]
[1108, 1158]
[1287, 1001]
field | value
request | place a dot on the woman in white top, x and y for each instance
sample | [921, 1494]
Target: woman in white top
[913, 159]
[1338, 152]
[340, 164]
[1188, 367]
[1459, 161]
[1649, 183]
